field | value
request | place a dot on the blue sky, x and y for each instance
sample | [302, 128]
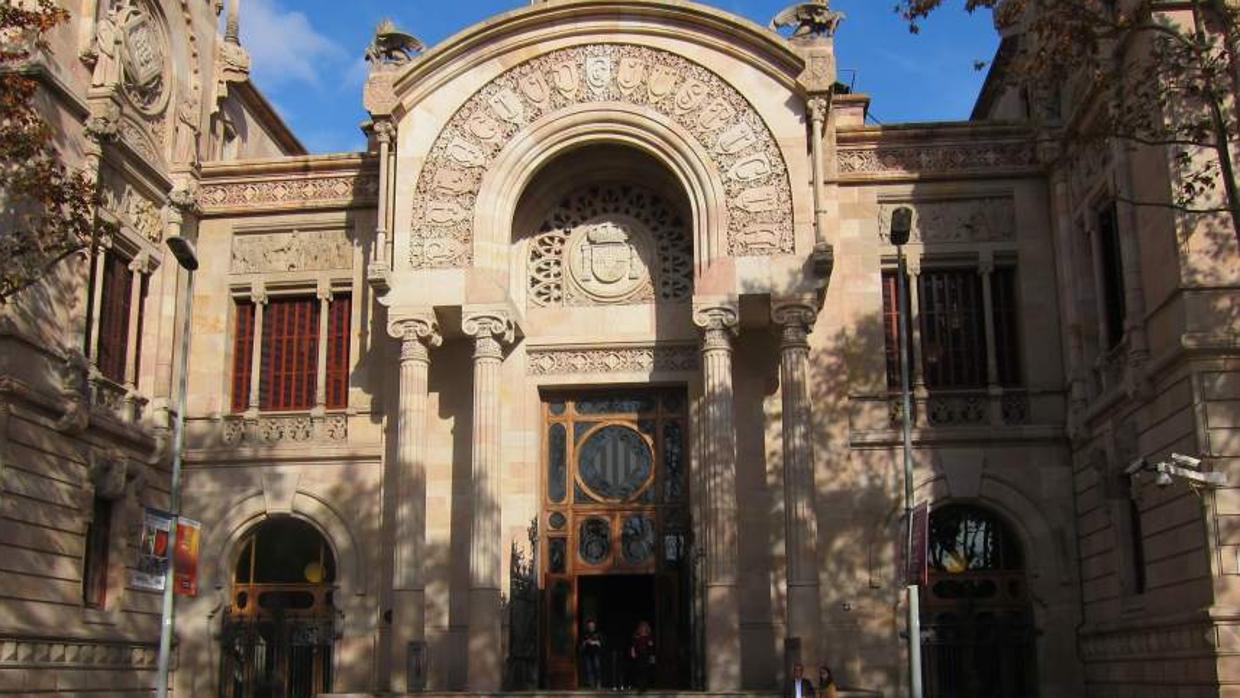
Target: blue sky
[308, 55]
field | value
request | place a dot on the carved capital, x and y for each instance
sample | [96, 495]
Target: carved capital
[104, 126]
[258, 293]
[417, 334]
[184, 200]
[494, 324]
[716, 315]
[385, 131]
[818, 107]
[798, 313]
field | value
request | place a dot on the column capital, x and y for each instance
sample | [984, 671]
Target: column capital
[985, 262]
[489, 324]
[716, 314]
[258, 293]
[385, 131]
[417, 333]
[323, 290]
[795, 311]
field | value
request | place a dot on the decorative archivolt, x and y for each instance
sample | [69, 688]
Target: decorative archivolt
[727, 128]
[610, 243]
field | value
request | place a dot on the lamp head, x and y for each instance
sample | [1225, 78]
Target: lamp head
[901, 225]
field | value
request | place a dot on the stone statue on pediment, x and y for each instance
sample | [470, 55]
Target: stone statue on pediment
[808, 20]
[391, 46]
[107, 50]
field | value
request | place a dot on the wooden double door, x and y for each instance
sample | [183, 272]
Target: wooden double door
[617, 533]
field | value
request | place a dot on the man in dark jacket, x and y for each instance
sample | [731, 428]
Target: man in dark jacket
[798, 685]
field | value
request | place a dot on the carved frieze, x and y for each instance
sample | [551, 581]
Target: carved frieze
[65, 654]
[989, 219]
[934, 159]
[726, 126]
[285, 429]
[131, 207]
[608, 244]
[307, 250]
[290, 192]
[571, 361]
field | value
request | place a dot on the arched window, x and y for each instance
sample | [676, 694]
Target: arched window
[278, 632]
[976, 619]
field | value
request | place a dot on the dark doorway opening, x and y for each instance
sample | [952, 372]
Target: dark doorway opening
[617, 602]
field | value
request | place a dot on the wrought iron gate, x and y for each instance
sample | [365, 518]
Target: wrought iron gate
[276, 652]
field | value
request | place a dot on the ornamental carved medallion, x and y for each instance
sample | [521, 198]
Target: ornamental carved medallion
[741, 148]
[144, 58]
[607, 244]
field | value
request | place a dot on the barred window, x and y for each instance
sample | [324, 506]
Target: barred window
[115, 299]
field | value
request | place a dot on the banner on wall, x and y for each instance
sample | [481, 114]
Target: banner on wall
[152, 551]
[185, 557]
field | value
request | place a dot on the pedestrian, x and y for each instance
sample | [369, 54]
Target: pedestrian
[798, 685]
[826, 683]
[641, 656]
[592, 655]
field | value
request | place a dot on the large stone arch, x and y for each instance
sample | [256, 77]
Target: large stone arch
[630, 92]
[224, 539]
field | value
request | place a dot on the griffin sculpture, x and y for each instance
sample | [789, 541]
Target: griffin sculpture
[392, 46]
[808, 19]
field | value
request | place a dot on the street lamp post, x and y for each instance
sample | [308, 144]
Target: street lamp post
[901, 228]
[186, 256]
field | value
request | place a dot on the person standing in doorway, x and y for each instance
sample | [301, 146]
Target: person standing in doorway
[826, 683]
[641, 656]
[798, 685]
[592, 655]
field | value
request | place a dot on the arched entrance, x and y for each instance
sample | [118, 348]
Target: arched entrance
[279, 628]
[977, 624]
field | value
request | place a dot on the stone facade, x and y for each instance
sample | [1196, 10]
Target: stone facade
[614, 196]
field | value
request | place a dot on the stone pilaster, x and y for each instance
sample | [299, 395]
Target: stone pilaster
[490, 330]
[718, 321]
[417, 334]
[795, 319]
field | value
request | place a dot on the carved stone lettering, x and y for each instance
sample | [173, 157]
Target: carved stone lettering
[738, 145]
[311, 250]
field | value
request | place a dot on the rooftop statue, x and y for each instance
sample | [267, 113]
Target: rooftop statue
[808, 19]
[392, 46]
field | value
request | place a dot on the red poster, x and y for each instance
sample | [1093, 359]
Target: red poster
[918, 540]
[185, 558]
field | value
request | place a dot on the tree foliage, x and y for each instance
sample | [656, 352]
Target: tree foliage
[46, 208]
[1145, 72]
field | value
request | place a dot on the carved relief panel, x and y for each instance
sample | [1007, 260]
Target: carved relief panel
[989, 219]
[738, 143]
[608, 244]
[304, 250]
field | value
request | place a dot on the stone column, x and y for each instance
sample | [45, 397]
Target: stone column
[324, 295]
[417, 334]
[796, 319]
[994, 393]
[258, 294]
[491, 330]
[718, 322]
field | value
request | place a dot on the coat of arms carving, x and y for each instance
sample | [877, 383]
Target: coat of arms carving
[143, 58]
[607, 259]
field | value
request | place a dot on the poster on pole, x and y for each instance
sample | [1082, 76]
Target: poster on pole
[918, 542]
[152, 551]
[185, 557]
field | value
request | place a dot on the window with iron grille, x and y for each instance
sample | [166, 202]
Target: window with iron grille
[289, 349]
[115, 299]
[95, 564]
[952, 323]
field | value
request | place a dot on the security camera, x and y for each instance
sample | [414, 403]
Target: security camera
[1163, 480]
[1186, 461]
[1135, 467]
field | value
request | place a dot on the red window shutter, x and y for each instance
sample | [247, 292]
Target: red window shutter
[243, 355]
[1007, 333]
[95, 564]
[338, 331]
[290, 354]
[891, 327]
[116, 292]
[953, 333]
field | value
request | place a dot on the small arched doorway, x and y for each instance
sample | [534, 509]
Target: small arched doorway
[977, 629]
[279, 627]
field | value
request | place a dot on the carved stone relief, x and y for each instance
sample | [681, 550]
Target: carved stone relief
[570, 361]
[310, 250]
[131, 207]
[743, 151]
[144, 56]
[991, 219]
[605, 244]
[287, 191]
[960, 157]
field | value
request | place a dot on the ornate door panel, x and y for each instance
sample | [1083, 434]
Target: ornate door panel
[616, 502]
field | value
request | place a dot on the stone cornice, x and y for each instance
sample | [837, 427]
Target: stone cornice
[294, 183]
